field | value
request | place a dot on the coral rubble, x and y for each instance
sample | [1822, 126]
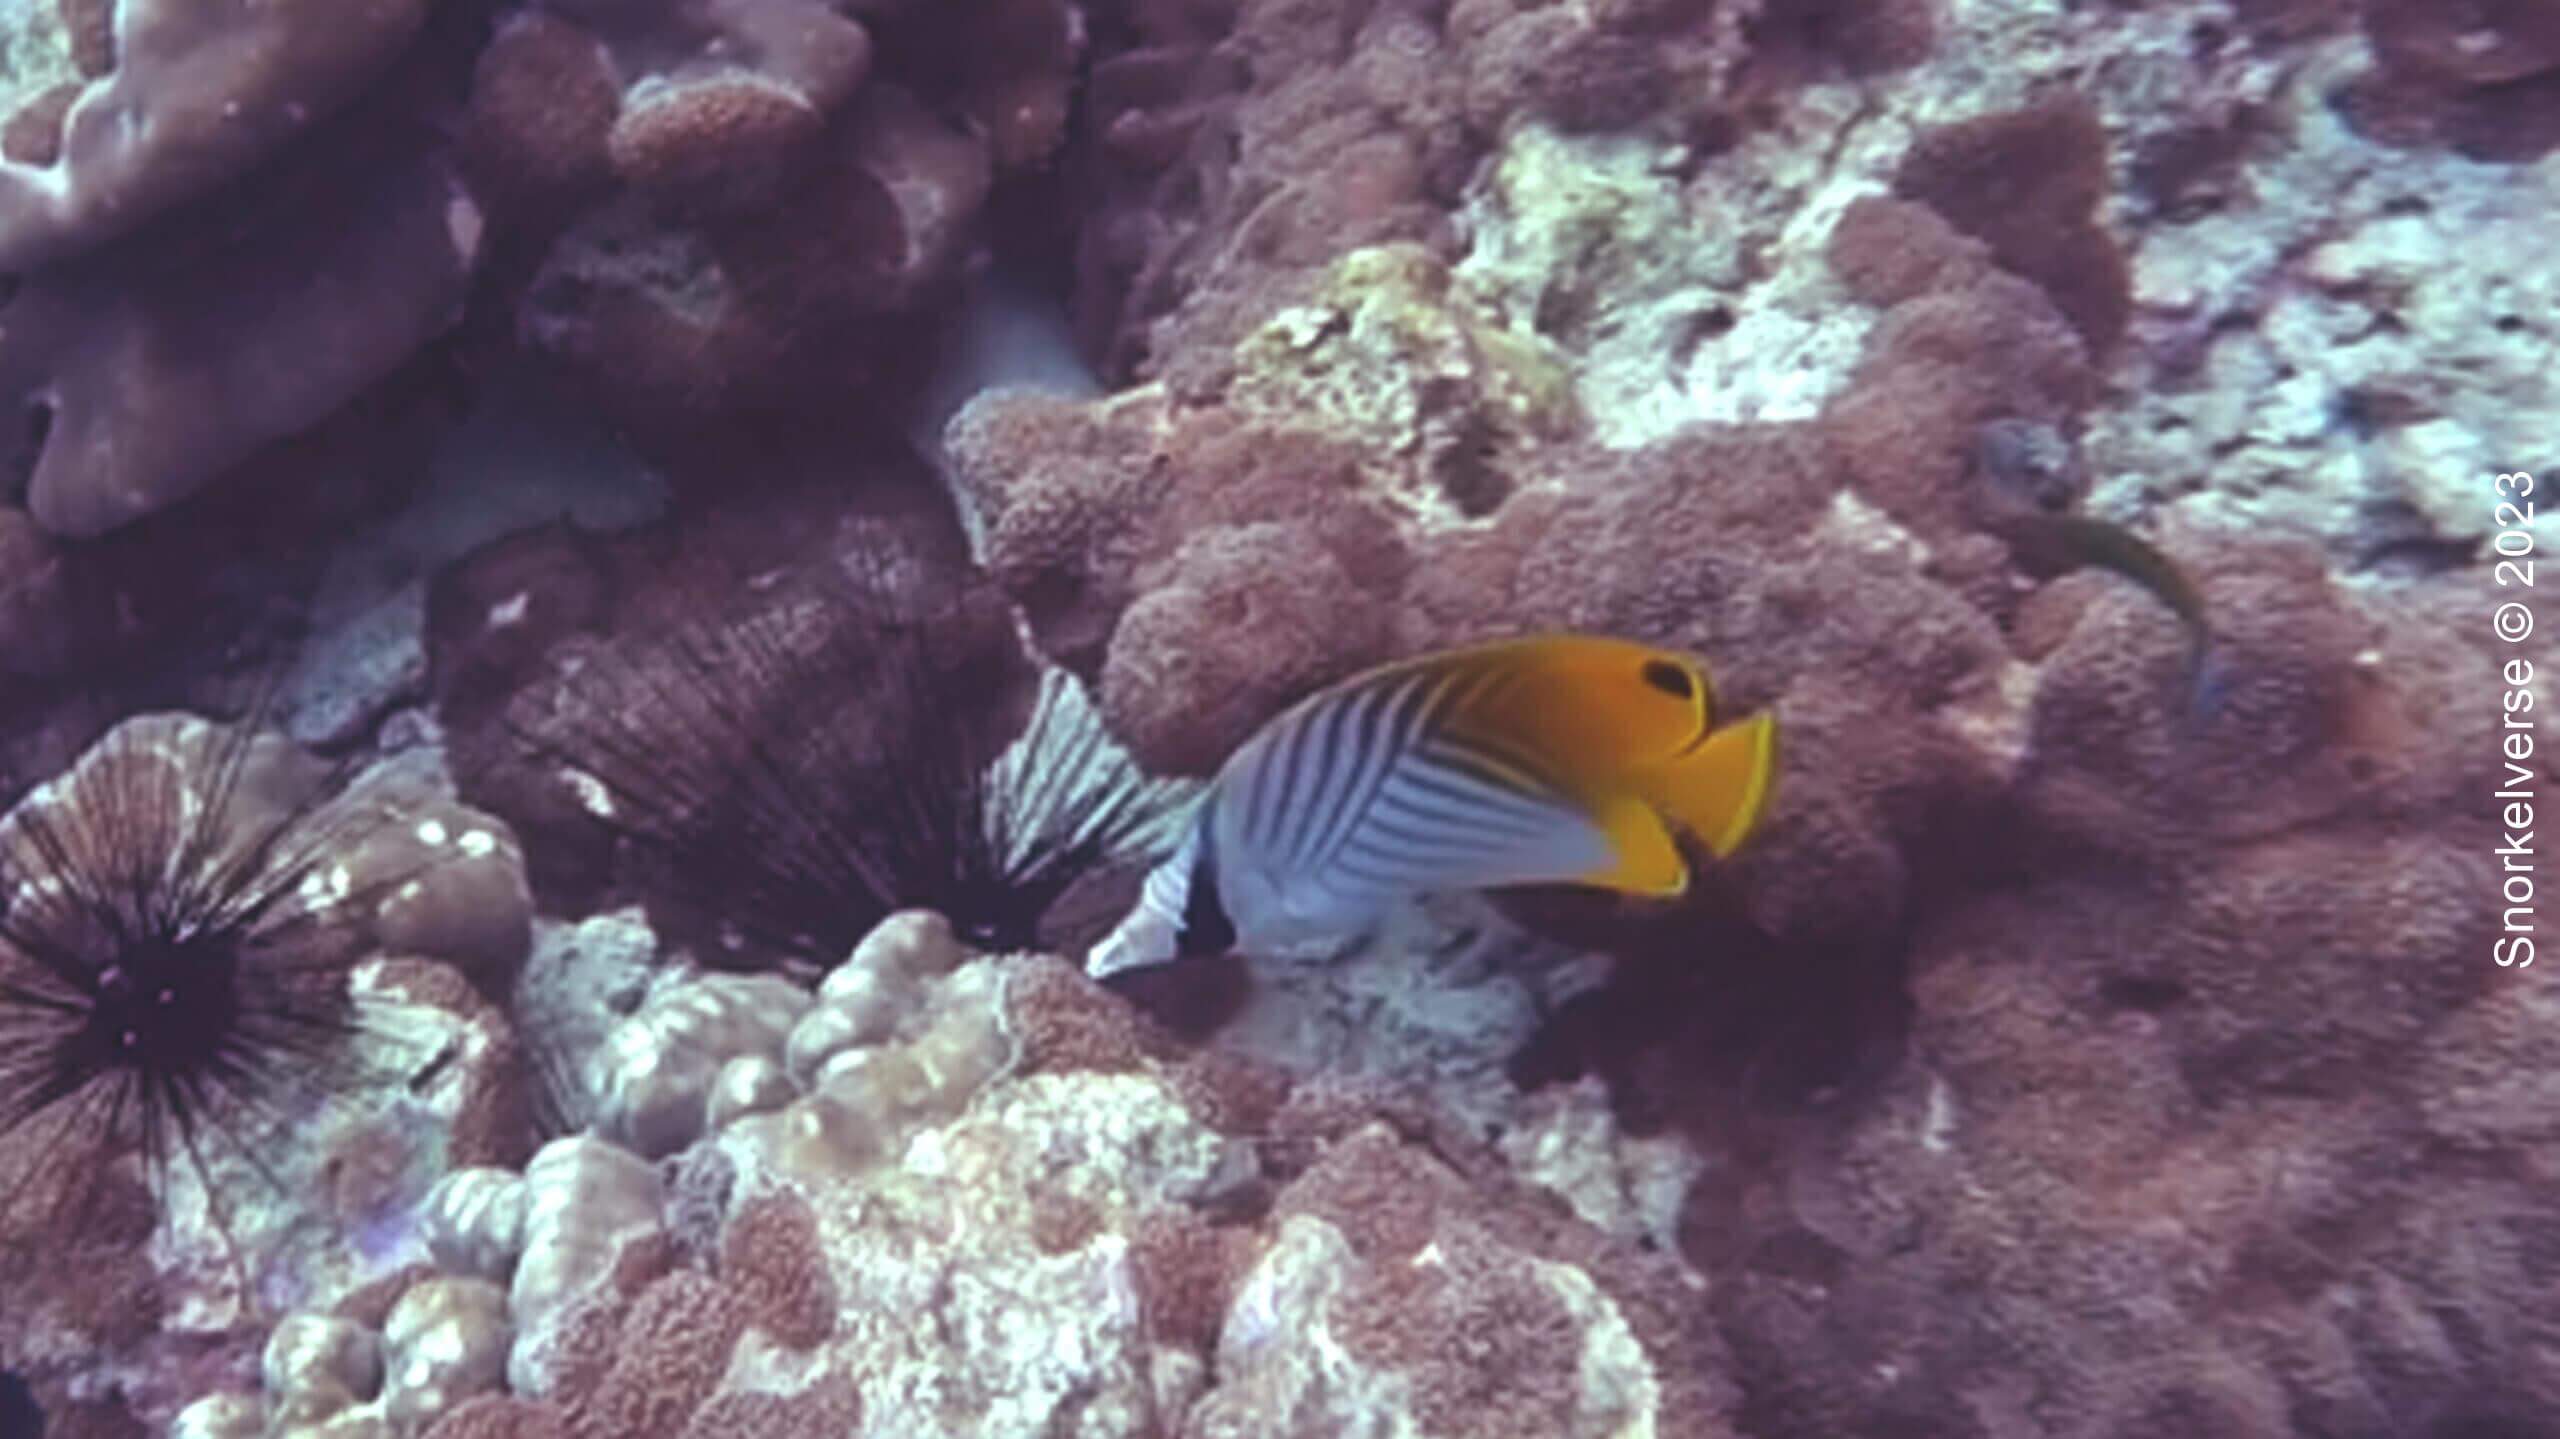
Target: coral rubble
[1104, 1252]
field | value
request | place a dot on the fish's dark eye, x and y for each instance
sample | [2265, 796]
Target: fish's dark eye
[1669, 678]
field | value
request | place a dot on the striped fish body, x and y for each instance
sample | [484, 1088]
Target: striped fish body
[1551, 759]
[1364, 795]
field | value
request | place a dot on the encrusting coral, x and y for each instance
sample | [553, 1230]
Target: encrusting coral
[763, 1281]
[242, 225]
[175, 100]
[648, 145]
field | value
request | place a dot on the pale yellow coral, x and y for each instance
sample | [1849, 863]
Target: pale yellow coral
[447, 1340]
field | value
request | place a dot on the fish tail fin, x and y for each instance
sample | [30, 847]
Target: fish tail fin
[1720, 790]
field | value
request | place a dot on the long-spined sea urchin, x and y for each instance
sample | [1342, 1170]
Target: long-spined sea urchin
[796, 766]
[171, 965]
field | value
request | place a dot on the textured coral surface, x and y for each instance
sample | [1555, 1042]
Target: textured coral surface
[2080, 425]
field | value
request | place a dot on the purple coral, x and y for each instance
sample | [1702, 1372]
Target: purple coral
[213, 267]
[181, 98]
[150, 380]
[651, 150]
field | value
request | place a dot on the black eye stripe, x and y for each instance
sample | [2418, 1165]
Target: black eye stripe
[1669, 678]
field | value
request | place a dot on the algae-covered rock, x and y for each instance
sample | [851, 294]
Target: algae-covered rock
[1399, 354]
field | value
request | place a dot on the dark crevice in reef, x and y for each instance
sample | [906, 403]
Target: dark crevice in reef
[20, 1416]
[1709, 1025]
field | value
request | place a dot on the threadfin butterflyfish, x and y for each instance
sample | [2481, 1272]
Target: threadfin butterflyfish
[1550, 759]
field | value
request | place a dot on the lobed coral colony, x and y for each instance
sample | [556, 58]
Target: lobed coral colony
[1273, 719]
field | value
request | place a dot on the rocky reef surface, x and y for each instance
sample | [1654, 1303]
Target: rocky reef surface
[514, 404]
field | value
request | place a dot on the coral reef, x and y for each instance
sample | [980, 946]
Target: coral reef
[646, 150]
[230, 225]
[158, 1291]
[728, 637]
[155, 379]
[320, 1074]
[1960, 304]
[1238, 150]
[1395, 1284]
[754, 1278]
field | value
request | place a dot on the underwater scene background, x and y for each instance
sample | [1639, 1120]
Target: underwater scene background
[606, 605]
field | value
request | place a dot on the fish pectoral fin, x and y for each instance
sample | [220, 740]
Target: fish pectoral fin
[1645, 859]
[1719, 790]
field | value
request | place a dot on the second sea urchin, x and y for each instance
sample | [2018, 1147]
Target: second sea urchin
[793, 771]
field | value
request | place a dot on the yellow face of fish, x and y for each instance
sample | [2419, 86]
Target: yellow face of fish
[1630, 730]
[1584, 704]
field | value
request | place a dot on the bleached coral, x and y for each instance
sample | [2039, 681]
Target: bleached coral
[474, 1221]
[653, 1078]
[585, 1200]
[445, 1341]
[317, 1365]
